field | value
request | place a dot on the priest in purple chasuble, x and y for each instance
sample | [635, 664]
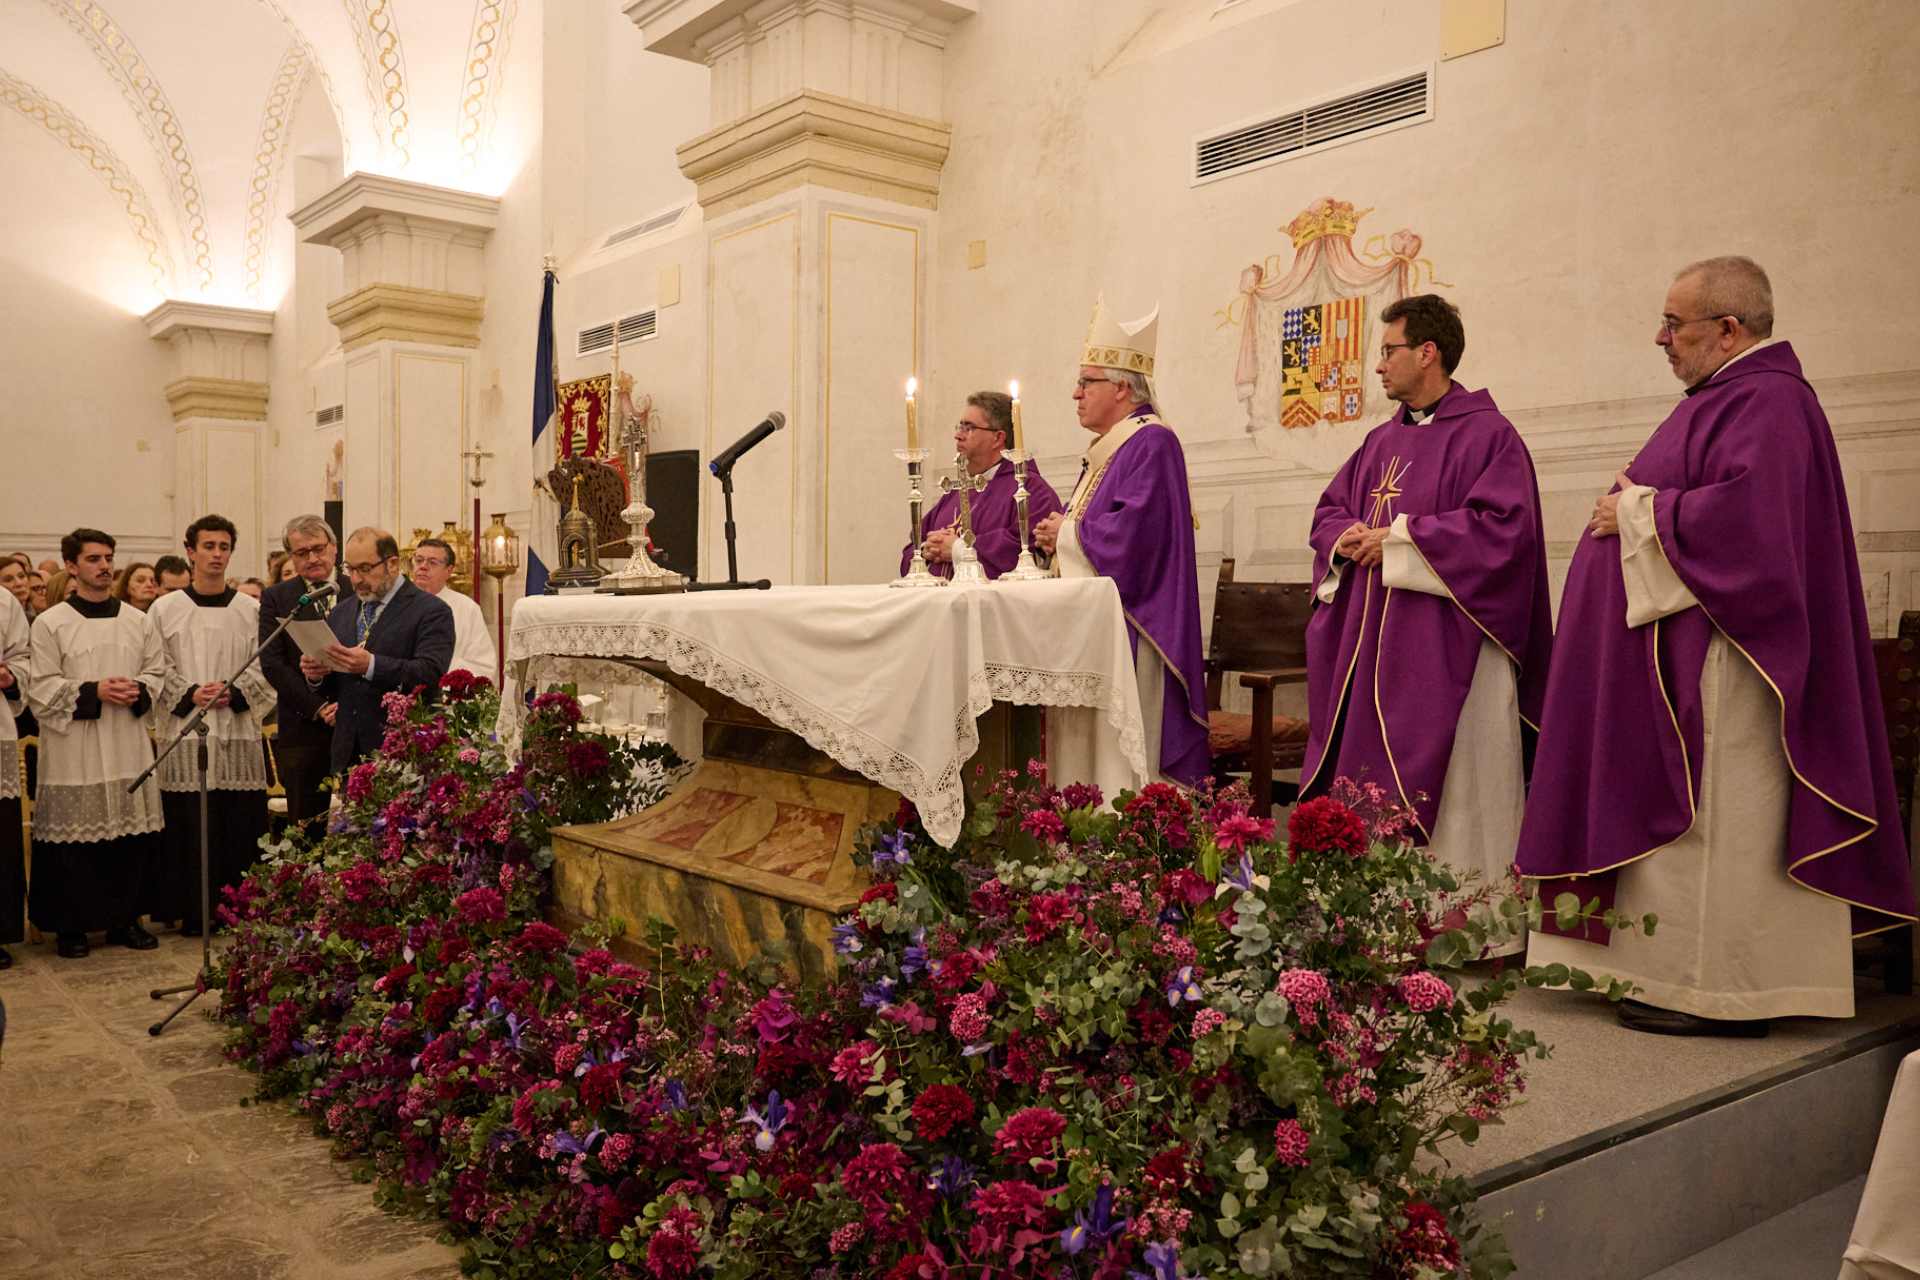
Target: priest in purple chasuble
[1131, 519]
[983, 432]
[1427, 652]
[1713, 748]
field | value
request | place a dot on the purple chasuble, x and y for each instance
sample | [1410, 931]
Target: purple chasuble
[1388, 670]
[1137, 528]
[996, 519]
[1751, 512]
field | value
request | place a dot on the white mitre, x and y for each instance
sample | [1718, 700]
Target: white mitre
[1113, 345]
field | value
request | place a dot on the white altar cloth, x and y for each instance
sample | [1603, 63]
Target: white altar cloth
[886, 682]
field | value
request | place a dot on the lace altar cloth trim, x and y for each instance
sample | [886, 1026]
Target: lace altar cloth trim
[233, 764]
[538, 653]
[94, 811]
[9, 768]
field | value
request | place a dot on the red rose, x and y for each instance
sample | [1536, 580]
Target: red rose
[1327, 826]
[940, 1110]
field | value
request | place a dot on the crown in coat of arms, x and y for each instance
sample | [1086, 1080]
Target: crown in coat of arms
[1325, 217]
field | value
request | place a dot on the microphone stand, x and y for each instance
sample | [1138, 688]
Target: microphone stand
[733, 582]
[196, 724]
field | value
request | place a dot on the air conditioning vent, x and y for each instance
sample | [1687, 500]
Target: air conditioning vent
[658, 222]
[330, 415]
[1393, 104]
[633, 328]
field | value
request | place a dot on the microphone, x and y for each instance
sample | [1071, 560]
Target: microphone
[319, 593]
[723, 463]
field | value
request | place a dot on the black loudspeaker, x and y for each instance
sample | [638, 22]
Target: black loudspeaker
[673, 491]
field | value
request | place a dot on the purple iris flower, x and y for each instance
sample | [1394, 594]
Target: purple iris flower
[877, 995]
[914, 962]
[677, 1097]
[1096, 1227]
[846, 938]
[893, 848]
[502, 1138]
[564, 1141]
[1241, 876]
[514, 1023]
[952, 1178]
[1164, 1258]
[1183, 987]
[770, 1122]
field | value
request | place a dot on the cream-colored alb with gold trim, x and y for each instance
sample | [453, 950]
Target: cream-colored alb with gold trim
[1112, 344]
[1737, 937]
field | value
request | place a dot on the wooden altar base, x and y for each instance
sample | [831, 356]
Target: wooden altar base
[757, 843]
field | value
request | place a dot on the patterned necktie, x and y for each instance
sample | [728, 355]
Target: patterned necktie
[368, 612]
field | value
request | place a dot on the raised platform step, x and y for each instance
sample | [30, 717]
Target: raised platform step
[1638, 1152]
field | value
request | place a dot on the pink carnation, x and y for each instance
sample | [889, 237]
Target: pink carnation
[1207, 1020]
[1305, 990]
[854, 1064]
[1425, 992]
[1290, 1143]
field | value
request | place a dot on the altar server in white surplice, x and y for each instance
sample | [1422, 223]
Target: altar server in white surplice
[13, 688]
[96, 669]
[473, 648]
[209, 629]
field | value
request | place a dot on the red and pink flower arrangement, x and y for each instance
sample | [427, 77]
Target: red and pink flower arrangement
[1145, 1041]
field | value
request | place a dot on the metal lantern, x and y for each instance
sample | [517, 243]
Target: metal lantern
[499, 548]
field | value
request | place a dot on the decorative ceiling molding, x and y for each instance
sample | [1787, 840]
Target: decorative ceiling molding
[135, 79]
[480, 96]
[66, 128]
[326, 81]
[379, 42]
[268, 156]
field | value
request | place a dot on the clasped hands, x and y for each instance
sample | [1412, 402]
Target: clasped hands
[1046, 534]
[213, 693]
[1605, 522]
[1362, 545]
[938, 548]
[117, 691]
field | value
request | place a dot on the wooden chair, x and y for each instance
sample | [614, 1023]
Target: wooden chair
[1898, 663]
[1260, 631]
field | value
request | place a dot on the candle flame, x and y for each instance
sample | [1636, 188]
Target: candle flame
[912, 385]
[1013, 389]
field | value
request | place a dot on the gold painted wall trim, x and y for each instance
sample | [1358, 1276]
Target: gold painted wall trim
[217, 398]
[816, 139]
[400, 313]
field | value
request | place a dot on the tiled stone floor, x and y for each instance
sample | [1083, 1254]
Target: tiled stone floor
[122, 1154]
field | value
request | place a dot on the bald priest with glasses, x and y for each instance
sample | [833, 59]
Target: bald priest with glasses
[1713, 749]
[985, 427]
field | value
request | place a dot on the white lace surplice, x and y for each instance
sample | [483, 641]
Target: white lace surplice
[204, 643]
[13, 651]
[886, 682]
[85, 765]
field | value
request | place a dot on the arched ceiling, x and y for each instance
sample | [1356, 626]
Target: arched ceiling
[182, 110]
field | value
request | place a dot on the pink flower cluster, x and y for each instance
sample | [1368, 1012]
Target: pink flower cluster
[1290, 1139]
[1425, 991]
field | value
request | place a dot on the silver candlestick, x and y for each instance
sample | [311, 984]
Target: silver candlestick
[917, 575]
[966, 564]
[1024, 569]
[640, 575]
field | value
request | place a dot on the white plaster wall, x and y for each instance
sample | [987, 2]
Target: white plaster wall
[86, 437]
[1565, 176]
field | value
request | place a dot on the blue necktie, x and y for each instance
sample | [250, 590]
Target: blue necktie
[368, 612]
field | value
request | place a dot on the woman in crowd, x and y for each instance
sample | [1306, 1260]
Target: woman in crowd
[275, 563]
[285, 568]
[37, 589]
[138, 587]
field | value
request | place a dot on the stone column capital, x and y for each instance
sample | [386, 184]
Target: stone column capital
[219, 358]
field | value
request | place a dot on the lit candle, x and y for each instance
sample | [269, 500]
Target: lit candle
[1019, 442]
[913, 431]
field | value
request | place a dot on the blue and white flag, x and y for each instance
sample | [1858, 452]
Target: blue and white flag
[546, 403]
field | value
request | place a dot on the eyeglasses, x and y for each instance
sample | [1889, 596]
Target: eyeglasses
[310, 553]
[1387, 349]
[1081, 384]
[365, 570]
[431, 562]
[1669, 324]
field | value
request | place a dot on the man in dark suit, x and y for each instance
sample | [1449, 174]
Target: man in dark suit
[303, 748]
[392, 636]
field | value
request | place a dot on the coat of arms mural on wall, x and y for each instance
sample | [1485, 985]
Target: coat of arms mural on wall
[1309, 334]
